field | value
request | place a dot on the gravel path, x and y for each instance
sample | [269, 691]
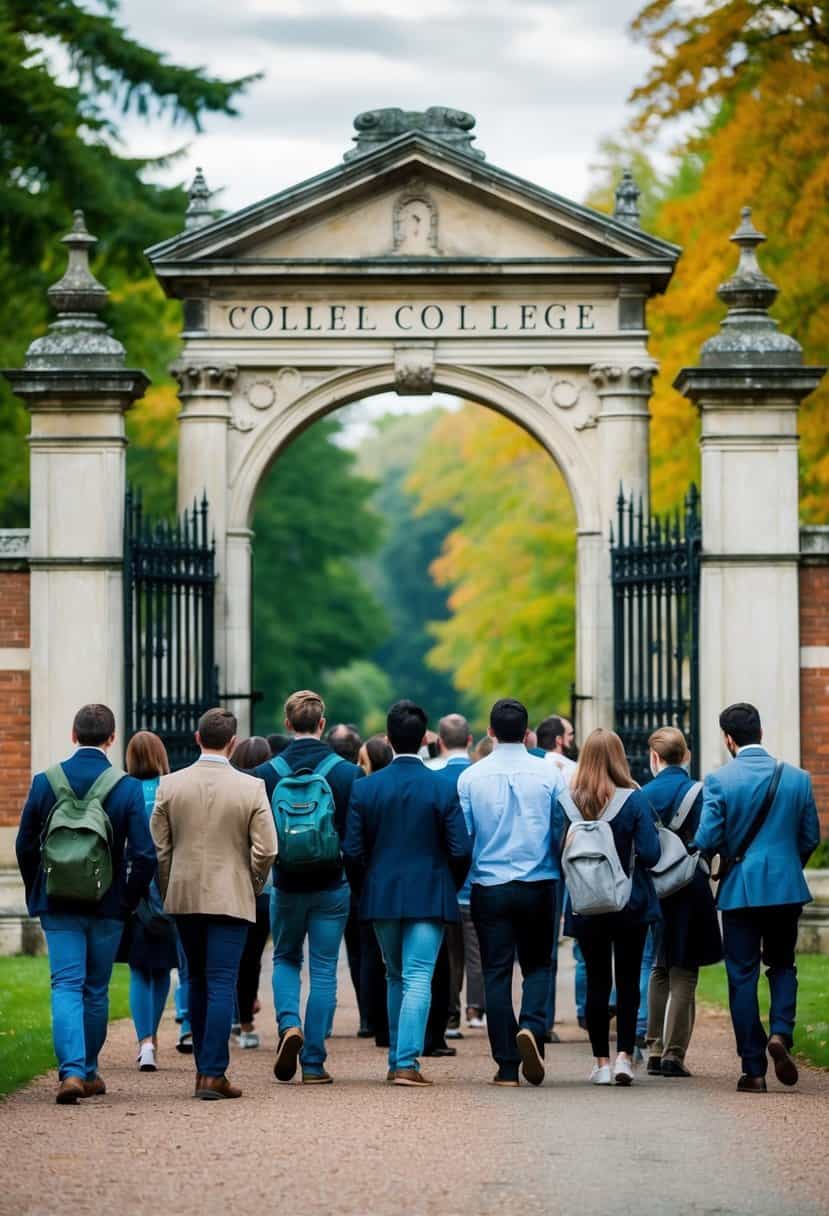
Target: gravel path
[465, 1148]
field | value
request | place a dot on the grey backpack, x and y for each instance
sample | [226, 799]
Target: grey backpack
[676, 867]
[595, 877]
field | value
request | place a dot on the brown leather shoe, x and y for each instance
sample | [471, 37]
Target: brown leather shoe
[93, 1087]
[69, 1090]
[412, 1077]
[532, 1061]
[198, 1085]
[213, 1088]
[390, 1076]
[751, 1085]
[287, 1054]
[784, 1066]
[317, 1078]
[505, 1082]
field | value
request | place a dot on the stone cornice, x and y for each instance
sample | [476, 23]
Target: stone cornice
[78, 389]
[618, 380]
[722, 387]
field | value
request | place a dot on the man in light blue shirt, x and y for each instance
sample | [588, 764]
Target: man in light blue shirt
[510, 803]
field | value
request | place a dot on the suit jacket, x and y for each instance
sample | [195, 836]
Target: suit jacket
[772, 871]
[216, 841]
[449, 775]
[125, 808]
[406, 847]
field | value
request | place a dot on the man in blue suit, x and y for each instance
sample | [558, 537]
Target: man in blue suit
[762, 895]
[83, 938]
[407, 852]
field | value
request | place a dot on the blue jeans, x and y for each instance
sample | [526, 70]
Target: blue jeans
[213, 945]
[148, 996]
[82, 950]
[749, 936]
[410, 950]
[648, 961]
[321, 917]
[181, 996]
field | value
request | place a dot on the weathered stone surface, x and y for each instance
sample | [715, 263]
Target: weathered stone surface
[451, 127]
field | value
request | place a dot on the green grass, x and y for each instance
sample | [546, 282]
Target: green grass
[811, 1036]
[25, 1018]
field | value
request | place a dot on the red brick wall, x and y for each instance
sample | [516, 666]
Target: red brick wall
[15, 715]
[814, 685]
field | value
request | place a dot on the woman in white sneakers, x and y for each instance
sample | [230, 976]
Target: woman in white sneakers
[603, 786]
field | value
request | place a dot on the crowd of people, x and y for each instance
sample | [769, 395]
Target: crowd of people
[440, 863]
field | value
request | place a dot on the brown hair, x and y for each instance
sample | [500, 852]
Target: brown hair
[250, 753]
[603, 768]
[146, 756]
[93, 725]
[304, 710]
[376, 753]
[483, 748]
[216, 728]
[669, 744]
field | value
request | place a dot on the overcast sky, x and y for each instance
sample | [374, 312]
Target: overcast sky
[546, 79]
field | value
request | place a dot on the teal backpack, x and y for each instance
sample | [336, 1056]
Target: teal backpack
[303, 811]
[76, 845]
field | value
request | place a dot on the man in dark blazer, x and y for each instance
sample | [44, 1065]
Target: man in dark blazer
[407, 852]
[762, 896]
[83, 938]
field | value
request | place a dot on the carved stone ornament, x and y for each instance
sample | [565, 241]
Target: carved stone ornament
[611, 379]
[376, 127]
[565, 394]
[415, 221]
[414, 370]
[205, 379]
[261, 394]
[538, 383]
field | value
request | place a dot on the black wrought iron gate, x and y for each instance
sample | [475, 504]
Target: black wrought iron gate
[655, 566]
[169, 647]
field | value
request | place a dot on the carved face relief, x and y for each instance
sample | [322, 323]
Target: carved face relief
[415, 222]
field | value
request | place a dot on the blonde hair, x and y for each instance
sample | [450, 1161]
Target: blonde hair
[669, 744]
[603, 768]
[304, 710]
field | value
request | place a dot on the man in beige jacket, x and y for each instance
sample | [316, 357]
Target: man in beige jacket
[215, 839]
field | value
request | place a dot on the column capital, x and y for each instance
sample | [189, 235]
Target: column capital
[618, 380]
[204, 379]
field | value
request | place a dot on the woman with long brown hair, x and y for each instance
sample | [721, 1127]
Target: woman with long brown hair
[602, 775]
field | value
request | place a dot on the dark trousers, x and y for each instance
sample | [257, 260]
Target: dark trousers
[514, 918]
[373, 1001]
[213, 945]
[605, 940]
[749, 935]
[454, 944]
[558, 902]
[353, 953]
[250, 964]
[439, 1008]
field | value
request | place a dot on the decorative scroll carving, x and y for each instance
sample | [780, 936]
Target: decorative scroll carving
[414, 370]
[205, 379]
[376, 127]
[611, 379]
[415, 221]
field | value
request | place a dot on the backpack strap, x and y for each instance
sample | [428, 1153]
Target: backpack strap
[684, 809]
[325, 766]
[104, 784]
[615, 805]
[569, 807]
[281, 767]
[59, 782]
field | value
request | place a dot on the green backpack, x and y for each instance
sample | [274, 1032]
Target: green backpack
[76, 846]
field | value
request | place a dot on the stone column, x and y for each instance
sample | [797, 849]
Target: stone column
[623, 422]
[77, 391]
[237, 676]
[748, 386]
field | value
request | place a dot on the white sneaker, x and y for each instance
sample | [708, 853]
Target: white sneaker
[623, 1071]
[600, 1074]
[476, 1023]
[247, 1038]
[146, 1058]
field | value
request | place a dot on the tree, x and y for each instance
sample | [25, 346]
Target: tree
[509, 561]
[60, 151]
[752, 77]
[313, 613]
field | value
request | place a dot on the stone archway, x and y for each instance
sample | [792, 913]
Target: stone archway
[414, 266]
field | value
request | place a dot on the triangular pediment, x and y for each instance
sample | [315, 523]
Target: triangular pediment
[412, 198]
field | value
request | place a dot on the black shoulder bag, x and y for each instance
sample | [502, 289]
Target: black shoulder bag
[727, 864]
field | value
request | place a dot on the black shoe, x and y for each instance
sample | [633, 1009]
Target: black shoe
[784, 1066]
[551, 1037]
[751, 1085]
[672, 1068]
[381, 1040]
[532, 1061]
[441, 1052]
[365, 1033]
[508, 1080]
[287, 1054]
[582, 1023]
[654, 1066]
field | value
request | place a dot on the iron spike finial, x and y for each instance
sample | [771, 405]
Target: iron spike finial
[626, 209]
[198, 208]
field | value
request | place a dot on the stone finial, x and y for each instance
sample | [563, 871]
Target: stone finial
[198, 209]
[448, 126]
[627, 201]
[748, 335]
[77, 339]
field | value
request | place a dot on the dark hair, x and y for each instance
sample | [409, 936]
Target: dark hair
[93, 725]
[405, 726]
[344, 739]
[146, 756]
[379, 752]
[250, 753]
[548, 731]
[304, 710]
[454, 730]
[278, 743]
[216, 728]
[508, 719]
[742, 722]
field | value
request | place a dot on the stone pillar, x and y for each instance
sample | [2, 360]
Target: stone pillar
[77, 391]
[748, 386]
[237, 676]
[623, 422]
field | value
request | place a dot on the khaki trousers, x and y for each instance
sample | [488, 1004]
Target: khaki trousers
[671, 1011]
